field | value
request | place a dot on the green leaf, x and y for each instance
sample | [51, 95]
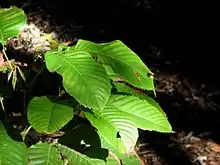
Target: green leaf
[124, 114]
[130, 160]
[47, 116]
[144, 113]
[121, 87]
[127, 158]
[122, 60]
[74, 157]
[83, 78]
[110, 72]
[11, 152]
[12, 22]
[44, 153]
[109, 123]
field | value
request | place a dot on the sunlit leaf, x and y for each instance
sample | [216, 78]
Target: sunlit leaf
[12, 22]
[47, 116]
[11, 151]
[44, 154]
[83, 78]
[123, 61]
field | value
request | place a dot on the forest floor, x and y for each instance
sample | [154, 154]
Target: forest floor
[191, 106]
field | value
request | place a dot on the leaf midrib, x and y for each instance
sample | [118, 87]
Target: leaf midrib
[137, 117]
[48, 156]
[65, 60]
[50, 114]
[110, 125]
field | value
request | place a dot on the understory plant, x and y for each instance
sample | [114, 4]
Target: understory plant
[102, 100]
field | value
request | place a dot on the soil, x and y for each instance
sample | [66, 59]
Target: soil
[189, 100]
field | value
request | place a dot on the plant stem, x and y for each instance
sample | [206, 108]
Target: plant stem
[25, 132]
[2, 104]
[3, 50]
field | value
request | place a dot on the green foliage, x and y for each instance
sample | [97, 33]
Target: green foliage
[124, 114]
[121, 59]
[46, 116]
[11, 151]
[83, 78]
[44, 153]
[104, 85]
[123, 88]
[13, 20]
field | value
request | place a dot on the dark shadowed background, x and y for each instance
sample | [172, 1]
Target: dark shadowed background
[184, 30]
